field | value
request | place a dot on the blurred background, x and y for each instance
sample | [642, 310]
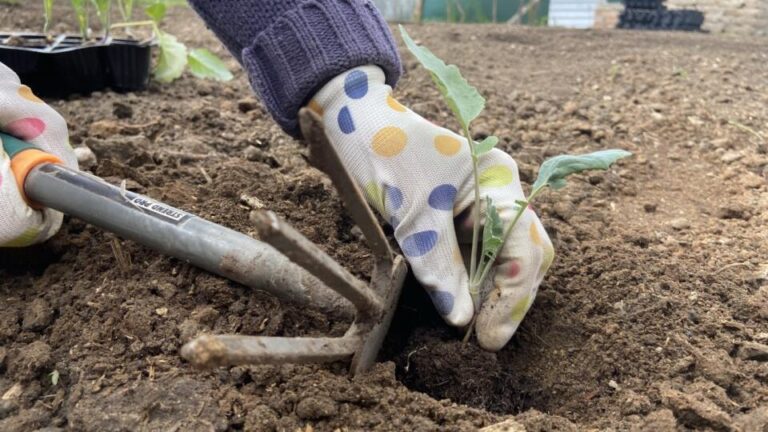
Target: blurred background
[742, 17]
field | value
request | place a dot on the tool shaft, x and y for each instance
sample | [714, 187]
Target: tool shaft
[177, 233]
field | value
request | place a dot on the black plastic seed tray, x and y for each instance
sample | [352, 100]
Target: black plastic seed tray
[64, 65]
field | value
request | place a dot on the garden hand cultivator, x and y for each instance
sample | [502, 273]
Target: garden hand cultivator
[281, 261]
[374, 304]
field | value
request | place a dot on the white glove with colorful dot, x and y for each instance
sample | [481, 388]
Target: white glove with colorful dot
[419, 177]
[26, 117]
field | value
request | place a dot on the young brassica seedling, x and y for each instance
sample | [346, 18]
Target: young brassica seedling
[48, 14]
[466, 103]
[81, 11]
[103, 12]
[126, 9]
[174, 56]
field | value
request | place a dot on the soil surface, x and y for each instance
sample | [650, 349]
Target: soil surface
[654, 316]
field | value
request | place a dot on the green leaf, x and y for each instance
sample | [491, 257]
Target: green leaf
[205, 64]
[554, 171]
[54, 377]
[493, 232]
[156, 12]
[463, 99]
[172, 59]
[485, 145]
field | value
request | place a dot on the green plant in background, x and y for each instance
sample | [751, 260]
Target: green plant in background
[174, 56]
[466, 103]
[126, 9]
[475, 9]
[81, 11]
[103, 12]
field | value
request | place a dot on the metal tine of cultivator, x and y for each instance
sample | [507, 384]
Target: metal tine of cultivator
[303, 252]
[229, 350]
[388, 273]
[324, 157]
[386, 279]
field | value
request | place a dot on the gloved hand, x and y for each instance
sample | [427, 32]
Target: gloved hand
[419, 177]
[26, 117]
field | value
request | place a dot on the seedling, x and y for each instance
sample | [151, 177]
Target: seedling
[48, 12]
[103, 12]
[126, 9]
[81, 11]
[466, 103]
[175, 56]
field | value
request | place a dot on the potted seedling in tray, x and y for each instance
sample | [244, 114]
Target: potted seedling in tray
[60, 65]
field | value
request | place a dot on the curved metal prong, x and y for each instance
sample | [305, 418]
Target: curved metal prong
[303, 252]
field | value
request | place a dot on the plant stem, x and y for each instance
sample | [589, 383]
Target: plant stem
[747, 129]
[48, 11]
[108, 21]
[155, 29]
[126, 9]
[476, 221]
[477, 281]
[468, 334]
[508, 231]
[132, 24]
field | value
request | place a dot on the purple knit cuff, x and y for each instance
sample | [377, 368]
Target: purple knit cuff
[309, 45]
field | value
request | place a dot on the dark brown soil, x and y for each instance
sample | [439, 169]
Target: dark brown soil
[654, 316]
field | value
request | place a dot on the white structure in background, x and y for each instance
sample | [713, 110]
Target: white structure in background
[398, 10]
[573, 13]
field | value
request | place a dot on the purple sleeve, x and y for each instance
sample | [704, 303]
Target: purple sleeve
[291, 48]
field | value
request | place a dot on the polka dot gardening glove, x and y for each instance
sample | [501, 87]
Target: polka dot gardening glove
[419, 177]
[25, 116]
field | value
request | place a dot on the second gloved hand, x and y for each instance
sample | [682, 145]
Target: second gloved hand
[419, 177]
[26, 117]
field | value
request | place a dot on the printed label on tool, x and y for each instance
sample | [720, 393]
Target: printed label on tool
[157, 208]
[98, 187]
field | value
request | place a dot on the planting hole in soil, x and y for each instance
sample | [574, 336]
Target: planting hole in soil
[653, 316]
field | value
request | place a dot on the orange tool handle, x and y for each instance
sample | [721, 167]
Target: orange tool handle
[24, 157]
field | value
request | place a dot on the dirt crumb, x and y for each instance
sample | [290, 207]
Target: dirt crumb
[29, 361]
[753, 351]
[753, 421]
[535, 421]
[261, 418]
[180, 403]
[26, 420]
[661, 420]
[695, 410]
[315, 408]
[37, 315]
